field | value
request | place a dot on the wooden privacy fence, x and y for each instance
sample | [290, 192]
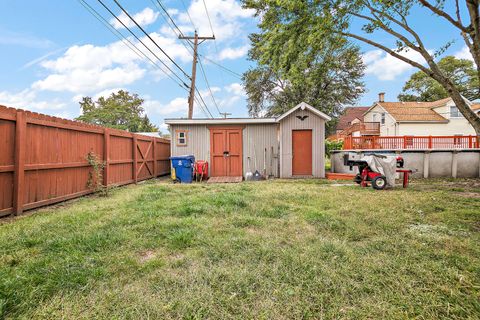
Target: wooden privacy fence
[411, 142]
[43, 158]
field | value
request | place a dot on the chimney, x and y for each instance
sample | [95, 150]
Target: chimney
[381, 97]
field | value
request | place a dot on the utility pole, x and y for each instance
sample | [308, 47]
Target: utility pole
[195, 38]
[225, 114]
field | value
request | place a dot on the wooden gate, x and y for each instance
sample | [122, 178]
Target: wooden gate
[144, 164]
[226, 151]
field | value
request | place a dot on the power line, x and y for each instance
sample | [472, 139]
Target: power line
[208, 16]
[208, 85]
[139, 40]
[126, 41]
[151, 39]
[203, 101]
[223, 67]
[178, 32]
[188, 14]
[169, 17]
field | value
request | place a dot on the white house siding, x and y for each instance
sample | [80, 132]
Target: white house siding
[454, 127]
[387, 129]
[317, 125]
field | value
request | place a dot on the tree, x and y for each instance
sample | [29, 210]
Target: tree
[323, 22]
[326, 83]
[325, 78]
[120, 110]
[421, 87]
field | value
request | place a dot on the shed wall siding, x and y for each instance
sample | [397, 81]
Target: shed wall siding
[317, 125]
[198, 141]
[257, 137]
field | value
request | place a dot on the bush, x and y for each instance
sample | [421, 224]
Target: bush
[332, 145]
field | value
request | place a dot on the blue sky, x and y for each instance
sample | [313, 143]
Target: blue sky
[54, 52]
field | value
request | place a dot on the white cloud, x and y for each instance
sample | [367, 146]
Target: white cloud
[236, 88]
[386, 67]
[28, 100]
[107, 93]
[91, 68]
[225, 15]
[175, 106]
[233, 53]
[463, 53]
[144, 18]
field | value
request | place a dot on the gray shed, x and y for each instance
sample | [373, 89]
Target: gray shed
[289, 146]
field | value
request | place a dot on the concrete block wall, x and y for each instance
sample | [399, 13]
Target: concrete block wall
[461, 163]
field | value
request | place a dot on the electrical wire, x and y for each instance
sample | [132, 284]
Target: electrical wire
[239, 76]
[188, 14]
[208, 16]
[127, 42]
[169, 19]
[139, 40]
[175, 28]
[151, 39]
[208, 86]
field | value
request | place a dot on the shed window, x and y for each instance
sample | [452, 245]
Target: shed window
[182, 138]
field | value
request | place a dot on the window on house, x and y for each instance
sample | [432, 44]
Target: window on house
[383, 118]
[454, 113]
[181, 138]
[374, 117]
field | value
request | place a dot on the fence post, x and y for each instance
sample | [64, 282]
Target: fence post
[19, 174]
[430, 144]
[106, 156]
[135, 159]
[404, 142]
[155, 157]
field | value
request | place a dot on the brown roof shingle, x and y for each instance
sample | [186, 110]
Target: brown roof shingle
[415, 111]
[350, 114]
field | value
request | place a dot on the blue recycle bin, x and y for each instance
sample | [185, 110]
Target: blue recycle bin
[183, 168]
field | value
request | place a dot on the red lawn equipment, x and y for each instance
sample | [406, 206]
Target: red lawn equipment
[367, 176]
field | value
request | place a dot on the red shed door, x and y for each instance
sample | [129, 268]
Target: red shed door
[302, 152]
[226, 152]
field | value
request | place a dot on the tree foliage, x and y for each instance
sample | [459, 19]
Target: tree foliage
[421, 87]
[292, 67]
[299, 29]
[120, 110]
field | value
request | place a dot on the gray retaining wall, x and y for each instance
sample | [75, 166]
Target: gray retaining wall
[461, 163]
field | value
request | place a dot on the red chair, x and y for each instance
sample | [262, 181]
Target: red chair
[201, 170]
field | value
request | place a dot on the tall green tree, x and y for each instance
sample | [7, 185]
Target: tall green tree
[296, 28]
[120, 110]
[327, 82]
[326, 77]
[421, 87]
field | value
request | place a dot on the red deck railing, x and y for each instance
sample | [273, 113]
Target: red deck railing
[412, 142]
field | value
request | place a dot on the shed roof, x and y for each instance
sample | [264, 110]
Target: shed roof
[227, 121]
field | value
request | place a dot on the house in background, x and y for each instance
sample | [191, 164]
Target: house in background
[437, 118]
[291, 145]
[350, 116]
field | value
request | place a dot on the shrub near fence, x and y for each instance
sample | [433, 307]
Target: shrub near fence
[43, 158]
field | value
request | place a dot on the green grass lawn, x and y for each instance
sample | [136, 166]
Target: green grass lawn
[269, 250]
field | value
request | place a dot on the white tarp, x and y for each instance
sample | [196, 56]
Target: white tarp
[386, 165]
